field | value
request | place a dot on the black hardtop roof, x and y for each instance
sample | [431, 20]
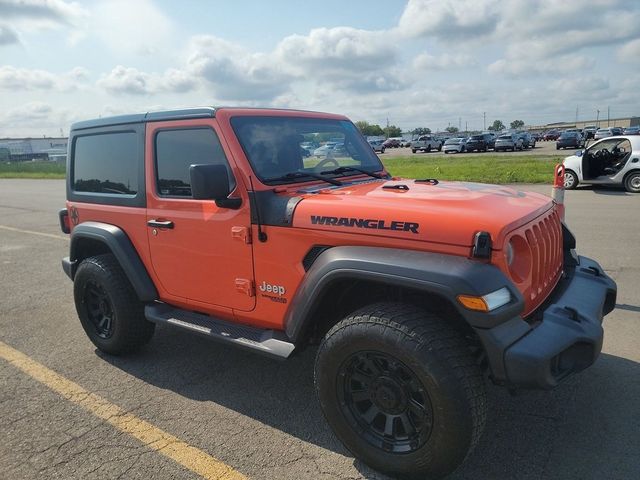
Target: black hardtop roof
[199, 112]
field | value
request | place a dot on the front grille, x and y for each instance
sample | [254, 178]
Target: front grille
[544, 236]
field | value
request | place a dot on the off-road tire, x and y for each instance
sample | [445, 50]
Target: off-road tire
[632, 182]
[129, 328]
[570, 180]
[443, 365]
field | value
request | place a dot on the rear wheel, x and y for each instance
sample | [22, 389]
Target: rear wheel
[401, 390]
[428, 149]
[570, 180]
[413, 150]
[632, 182]
[109, 310]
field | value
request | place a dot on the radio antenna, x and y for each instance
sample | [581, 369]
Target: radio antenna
[262, 236]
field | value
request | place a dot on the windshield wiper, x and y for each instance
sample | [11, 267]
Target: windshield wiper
[352, 169]
[293, 175]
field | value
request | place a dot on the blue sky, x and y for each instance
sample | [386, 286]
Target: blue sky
[416, 63]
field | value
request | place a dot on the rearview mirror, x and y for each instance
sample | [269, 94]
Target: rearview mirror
[211, 182]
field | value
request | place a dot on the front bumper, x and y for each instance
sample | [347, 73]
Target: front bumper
[562, 338]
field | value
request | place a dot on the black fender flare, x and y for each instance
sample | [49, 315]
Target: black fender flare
[120, 245]
[445, 275]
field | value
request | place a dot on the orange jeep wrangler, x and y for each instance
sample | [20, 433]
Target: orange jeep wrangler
[275, 229]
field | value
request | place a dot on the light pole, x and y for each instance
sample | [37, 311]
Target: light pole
[484, 121]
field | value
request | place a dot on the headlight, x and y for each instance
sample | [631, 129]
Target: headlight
[518, 258]
[508, 254]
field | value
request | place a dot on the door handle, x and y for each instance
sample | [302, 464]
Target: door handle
[160, 223]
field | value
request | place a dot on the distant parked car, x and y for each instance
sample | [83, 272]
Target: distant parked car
[570, 140]
[527, 140]
[589, 131]
[606, 162]
[551, 135]
[617, 130]
[604, 133]
[631, 131]
[426, 143]
[454, 145]
[405, 143]
[508, 141]
[480, 143]
[377, 145]
[391, 143]
[330, 149]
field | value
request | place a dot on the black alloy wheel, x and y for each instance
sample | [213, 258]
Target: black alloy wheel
[99, 309]
[384, 400]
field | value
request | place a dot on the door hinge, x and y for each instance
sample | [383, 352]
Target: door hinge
[241, 233]
[245, 286]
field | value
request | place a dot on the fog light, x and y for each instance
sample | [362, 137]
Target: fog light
[488, 302]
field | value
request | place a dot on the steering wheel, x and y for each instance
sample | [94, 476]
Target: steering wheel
[324, 162]
[602, 153]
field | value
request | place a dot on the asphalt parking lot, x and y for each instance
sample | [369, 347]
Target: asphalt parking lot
[260, 417]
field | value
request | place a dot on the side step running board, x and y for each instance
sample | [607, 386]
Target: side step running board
[269, 342]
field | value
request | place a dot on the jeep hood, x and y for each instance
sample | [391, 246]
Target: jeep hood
[448, 212]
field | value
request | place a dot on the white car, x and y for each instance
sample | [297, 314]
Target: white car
[455, 145]
[610, 161]
[324, 150]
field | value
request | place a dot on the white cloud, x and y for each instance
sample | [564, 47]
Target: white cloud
[337, 49]
[132, 81]
[523, 66]
[131, 27]
[47, 11]
[449, 19]
[235, 74]
[13, 78]
[425, 61]
[630, 52]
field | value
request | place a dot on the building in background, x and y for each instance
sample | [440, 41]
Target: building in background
[28, 149]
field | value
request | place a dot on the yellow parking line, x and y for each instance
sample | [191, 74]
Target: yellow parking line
[31, 232]
[156, 439]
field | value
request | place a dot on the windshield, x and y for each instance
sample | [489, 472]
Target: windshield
[453, 141]
[274, 146]
[477, 137]
[504, 137]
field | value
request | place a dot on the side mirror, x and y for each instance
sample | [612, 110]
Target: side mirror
[579, 153]
[211, 182]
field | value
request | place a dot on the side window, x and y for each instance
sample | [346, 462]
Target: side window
[177, 150]
[106, 163]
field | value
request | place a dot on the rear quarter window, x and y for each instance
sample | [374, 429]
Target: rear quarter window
[106, 163]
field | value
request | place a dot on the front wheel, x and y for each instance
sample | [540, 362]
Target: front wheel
[413, 150]
[632, 182]
[570, 180]
[401, 389]
[109, 310]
